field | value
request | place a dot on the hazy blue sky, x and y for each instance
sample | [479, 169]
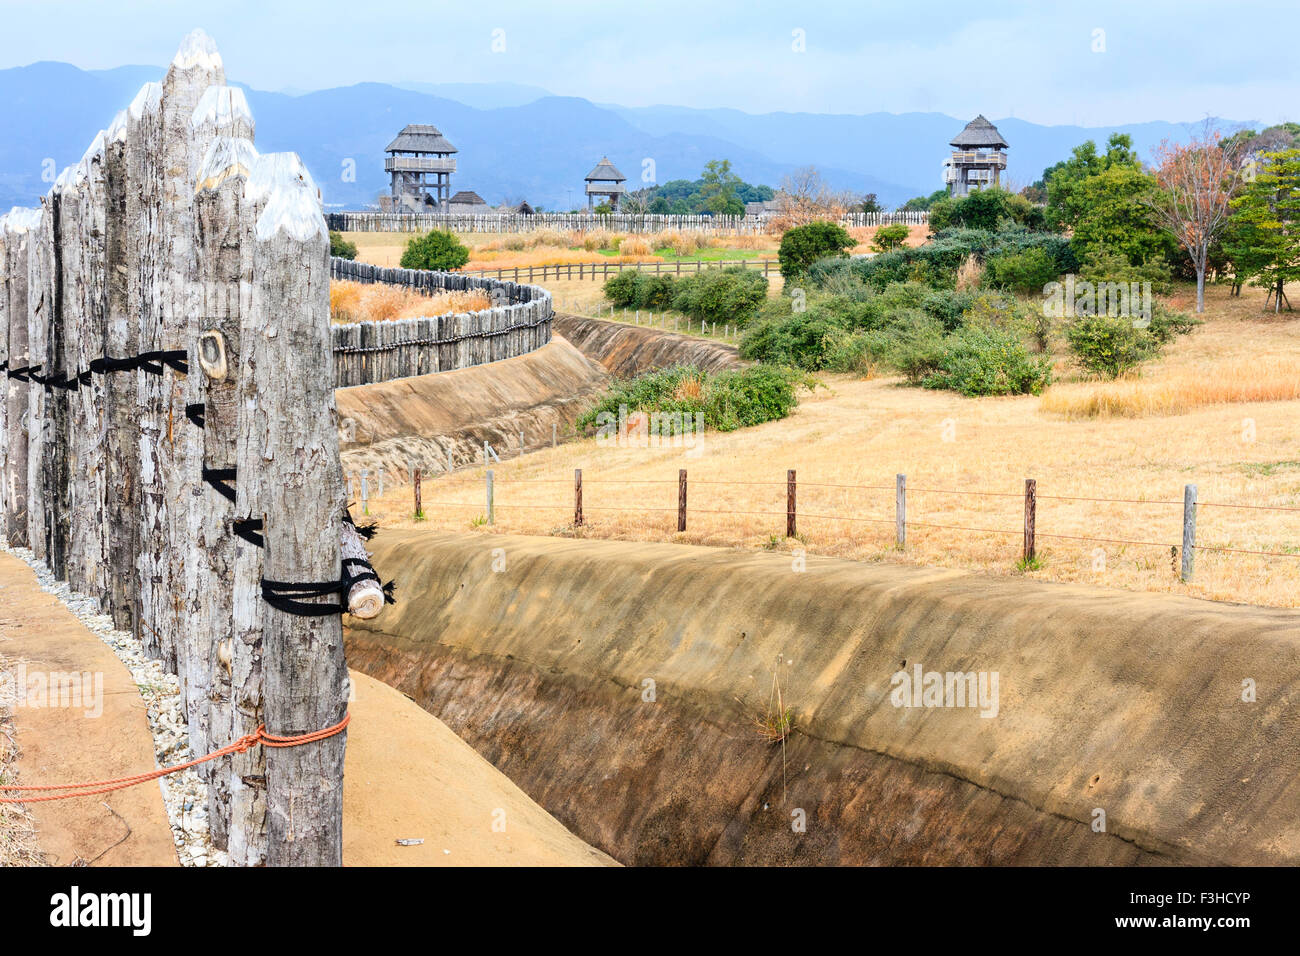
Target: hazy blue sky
[1161, 59]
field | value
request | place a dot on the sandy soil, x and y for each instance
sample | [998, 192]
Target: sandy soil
[409, 777]
[63, 744]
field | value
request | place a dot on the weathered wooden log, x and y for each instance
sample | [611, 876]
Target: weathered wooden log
[365, 598]
[143, 209]
[19, 224]
[286, 339]
[222, 268]
[196, 67]
[41, 283]
[121, 340]
[5, 279]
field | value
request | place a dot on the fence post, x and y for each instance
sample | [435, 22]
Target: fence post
[555, 435]
[681, 500]
[491, 511]
[790, 527]
[365, 493]
[451, 465]
[900, 510]
[1031, 508]
[577, 497]
[415, 484]
[1189, 532]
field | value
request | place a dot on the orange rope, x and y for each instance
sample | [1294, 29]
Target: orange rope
[243, 744]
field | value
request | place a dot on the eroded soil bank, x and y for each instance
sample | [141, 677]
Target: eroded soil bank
[626, 687]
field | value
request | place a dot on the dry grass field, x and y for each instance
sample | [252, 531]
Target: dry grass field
[849, 439]
[361, 302]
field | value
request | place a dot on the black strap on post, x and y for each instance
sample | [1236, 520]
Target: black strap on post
[218, 478]
[195, 413]
[247, 529]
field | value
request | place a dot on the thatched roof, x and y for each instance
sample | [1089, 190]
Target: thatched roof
[468, 197]
[605, 171]
[979, 134]
[418, 138]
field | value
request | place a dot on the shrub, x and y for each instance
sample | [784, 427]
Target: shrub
[340, 247]
[736, 398]
[983, 361]
[620, 290]
[1109, 345]
[733, 294]
[654, 291]
[1025, 271]
[436, 250]
[804, 245]
[889, 237]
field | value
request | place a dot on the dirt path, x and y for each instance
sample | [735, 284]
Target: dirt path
[62, 744]
[409, 777]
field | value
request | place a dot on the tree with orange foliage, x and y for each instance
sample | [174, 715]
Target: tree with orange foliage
[1195, 181]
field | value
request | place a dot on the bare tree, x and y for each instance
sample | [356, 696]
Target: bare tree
[1196, 181]
[806, 197]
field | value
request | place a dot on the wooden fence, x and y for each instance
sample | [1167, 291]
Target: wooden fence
[586, 222]
[603, 270]
[366, 352]
[169, 445]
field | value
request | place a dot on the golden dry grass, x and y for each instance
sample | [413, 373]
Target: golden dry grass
[861, 433]
[360, 302]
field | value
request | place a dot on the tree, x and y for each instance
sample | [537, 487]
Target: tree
[922, 203]
[806, 197]
[870, 203]
[1066, 180]
[719, 189]
[1195, 183]
[889, 237]
[340, 247]
[1111, 213]
[804, 245]
[1265, 233]
[437, 250]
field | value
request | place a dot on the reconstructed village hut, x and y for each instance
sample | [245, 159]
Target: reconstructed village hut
[977, 160]
[420, 161]
[605, 181]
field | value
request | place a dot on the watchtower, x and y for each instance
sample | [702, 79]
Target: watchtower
[977, 161]
[420, 163]
[605, 180]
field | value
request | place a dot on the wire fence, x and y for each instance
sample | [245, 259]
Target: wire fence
[698, 497]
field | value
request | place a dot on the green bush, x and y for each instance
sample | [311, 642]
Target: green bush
[983, 361]
[1109, 345]
[804, 245]
[734, 294]
[436, 250]
[620, 290]
[654, 291]
[1025, 271]
[889, 237]
[340, 247]
[736, 398]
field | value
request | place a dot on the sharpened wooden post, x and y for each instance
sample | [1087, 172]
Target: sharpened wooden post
[900, 510]
[415, 484]
[306, 680]
[491, 511]
[1189, 532]
[1031, 508]
[577, 497]
[555, 435]
[681, 500]
[791, 528]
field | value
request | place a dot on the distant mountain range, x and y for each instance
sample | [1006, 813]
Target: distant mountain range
[520, 142]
